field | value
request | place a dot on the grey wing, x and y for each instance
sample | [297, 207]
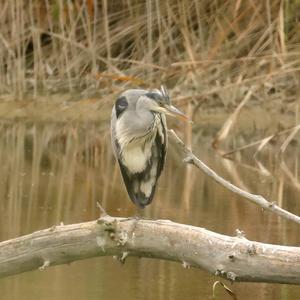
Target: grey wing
[155, 166]
[113, 132]
[128, 178]
[132, 184]
[161, 142]
[136, 183]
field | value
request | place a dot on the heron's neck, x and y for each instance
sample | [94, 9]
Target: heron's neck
[137, 130]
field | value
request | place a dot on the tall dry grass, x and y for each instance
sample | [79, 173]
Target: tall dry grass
[202, 46]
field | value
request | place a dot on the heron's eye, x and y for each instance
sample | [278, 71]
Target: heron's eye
[121, 105]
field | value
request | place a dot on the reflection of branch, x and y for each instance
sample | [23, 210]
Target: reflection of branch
[227, 126]
[263, 142]
[292, 179]
[233, 258]
[257, 199]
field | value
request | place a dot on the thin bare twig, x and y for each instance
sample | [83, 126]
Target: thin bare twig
[263, 142]
[224, 131]
[257, 199]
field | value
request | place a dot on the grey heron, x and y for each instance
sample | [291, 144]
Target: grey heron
[139, 139]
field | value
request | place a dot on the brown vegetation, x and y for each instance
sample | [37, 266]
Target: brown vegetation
[236, 63]
[215, 50]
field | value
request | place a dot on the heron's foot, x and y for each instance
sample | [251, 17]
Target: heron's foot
[134, 218]
[142, 218]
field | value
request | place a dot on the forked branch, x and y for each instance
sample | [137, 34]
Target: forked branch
[233, 258]
[257, 199]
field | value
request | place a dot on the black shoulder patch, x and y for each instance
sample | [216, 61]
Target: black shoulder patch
[121, 104]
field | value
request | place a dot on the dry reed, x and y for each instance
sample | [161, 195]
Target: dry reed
[209, 53]
[204, 47]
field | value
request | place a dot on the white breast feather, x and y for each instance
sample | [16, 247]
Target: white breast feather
[135, 152]
[134, 158]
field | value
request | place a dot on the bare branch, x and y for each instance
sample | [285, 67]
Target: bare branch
[233, 258]
[257, 199]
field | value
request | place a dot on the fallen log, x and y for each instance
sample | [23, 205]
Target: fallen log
[233, 258]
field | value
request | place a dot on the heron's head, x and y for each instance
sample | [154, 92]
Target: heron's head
[135, 112]
[135, 102]
[159, 101]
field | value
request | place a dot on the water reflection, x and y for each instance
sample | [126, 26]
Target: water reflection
[53, 173]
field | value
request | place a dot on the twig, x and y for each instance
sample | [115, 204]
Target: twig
[226, 288]
[228, 125]
[261, 142]
[257, 199]
[103, 212]
[289, 139]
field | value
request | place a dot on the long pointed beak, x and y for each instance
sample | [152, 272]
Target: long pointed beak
[174, 112]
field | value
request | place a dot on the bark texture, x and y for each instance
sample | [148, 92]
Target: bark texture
[233, 258]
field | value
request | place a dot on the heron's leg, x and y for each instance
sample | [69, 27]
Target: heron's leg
[139, 212]
[136, 219]
[139, 215]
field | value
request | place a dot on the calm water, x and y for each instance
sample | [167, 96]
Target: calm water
[53, 173]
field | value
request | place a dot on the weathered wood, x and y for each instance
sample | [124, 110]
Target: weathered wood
[233, 258]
